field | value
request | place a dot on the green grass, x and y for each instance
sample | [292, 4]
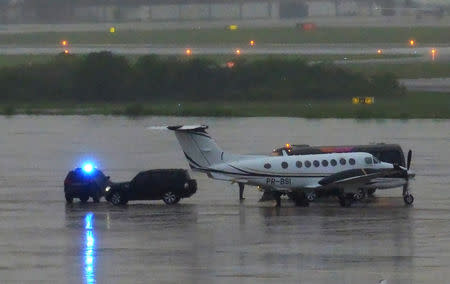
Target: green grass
[413, 70]
[25, 59]
[29, 59]
[423, 35]
[412, 105]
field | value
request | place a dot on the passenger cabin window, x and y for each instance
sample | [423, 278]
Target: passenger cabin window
[325, 163]
[368, 160]
[298, 164]
[342, 161]
[267, 166]
[316, 163]
[351, 161]
[284, 165]
[307, 164]
[333, 162]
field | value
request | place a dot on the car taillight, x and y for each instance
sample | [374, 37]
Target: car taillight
[67, 181]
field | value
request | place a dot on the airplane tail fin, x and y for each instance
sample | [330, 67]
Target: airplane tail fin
[200, 149]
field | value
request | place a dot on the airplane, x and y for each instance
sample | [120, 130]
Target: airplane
[302, 177]
[389, 153]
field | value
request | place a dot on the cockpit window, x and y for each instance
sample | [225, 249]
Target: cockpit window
[368, 160]
[375, 160]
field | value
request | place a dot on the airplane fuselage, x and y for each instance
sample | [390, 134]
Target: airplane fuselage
[288, 172]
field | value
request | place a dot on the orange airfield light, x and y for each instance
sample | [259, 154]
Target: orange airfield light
[252, 43]
[64, 43]
[412, 42]
[238, 51]
[188, 51]
[66, 51]
[433, 53]
[379, 51]
[230, 64]
[288, 145]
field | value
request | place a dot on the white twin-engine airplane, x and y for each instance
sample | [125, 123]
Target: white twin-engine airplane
[303, 177]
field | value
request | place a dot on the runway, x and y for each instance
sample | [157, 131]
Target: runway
[433, 85]
[421, 53]
[212, 237]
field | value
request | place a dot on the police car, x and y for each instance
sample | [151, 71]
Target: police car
[85, 182]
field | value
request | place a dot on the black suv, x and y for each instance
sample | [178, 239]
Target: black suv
[170, 185]
[83, 183]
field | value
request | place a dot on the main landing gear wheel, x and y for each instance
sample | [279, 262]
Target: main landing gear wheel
[409, 199]
[170, 198]
[311, 196]
[359, 195]
[346, 201]
[301, 199]
[277, 197]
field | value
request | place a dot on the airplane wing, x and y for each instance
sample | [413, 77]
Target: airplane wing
[351, 178]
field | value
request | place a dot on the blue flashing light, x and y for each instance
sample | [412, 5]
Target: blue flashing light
[88, 168]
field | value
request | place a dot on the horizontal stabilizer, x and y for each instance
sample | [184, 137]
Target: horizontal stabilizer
[195, 128]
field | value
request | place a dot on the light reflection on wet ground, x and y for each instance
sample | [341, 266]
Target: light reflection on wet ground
[212, 236]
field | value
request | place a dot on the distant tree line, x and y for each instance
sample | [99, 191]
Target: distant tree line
[105, 77]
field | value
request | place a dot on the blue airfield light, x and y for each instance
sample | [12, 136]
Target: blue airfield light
[88, 168]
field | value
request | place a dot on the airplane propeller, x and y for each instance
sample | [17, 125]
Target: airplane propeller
[408, 165]
[408, 161]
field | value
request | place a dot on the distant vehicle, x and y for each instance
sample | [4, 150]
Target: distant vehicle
[301, 176]
[389, 153]
[85, 182]
[170, 185]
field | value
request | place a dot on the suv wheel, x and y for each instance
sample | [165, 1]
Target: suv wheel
[117, 198]
[84, 198]
[170, 198]
[69, 199]
[95, 192]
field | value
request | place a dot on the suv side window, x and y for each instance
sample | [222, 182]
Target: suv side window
[143, 179]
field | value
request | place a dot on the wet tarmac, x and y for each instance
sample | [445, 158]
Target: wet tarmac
[212, 237]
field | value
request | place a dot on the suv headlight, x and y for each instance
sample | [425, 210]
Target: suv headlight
[108, 188]
[186, 185]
